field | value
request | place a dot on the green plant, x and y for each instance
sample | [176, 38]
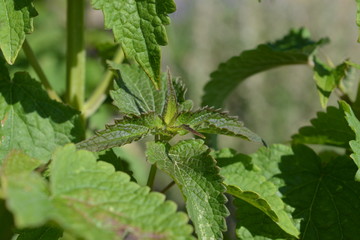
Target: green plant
[58, 184]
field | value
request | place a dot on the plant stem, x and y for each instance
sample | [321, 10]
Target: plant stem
[37, 68]
[75, 65]
[152, 175]
[99, 95]
[168, 187]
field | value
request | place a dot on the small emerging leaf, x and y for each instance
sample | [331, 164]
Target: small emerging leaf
[194, 171]
[327, 79]
[171, 106]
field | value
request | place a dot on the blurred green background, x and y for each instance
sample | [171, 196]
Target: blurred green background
[204, 33]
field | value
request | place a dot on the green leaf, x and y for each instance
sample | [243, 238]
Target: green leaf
[15, 22]
[31, 121]
[354, 144]
[358, 16]
[321, 189]
[42, 233]
[323, 193]
[209, 120]
[26, 191]
[171, 105]
[194, 170]
[329, 128]
[133, 93]
[294, 48]
[92, 201]
[139, 27]
[327, 79]
[253, 224]
[245, 181]
[124, 131]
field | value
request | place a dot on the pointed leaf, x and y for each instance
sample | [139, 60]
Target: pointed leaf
[321, 190]
[92, 201]
[134, 94]
[124, 131]
[31, 121]
[355, 144]
[209, 120]
[294, 48]
[171, 106]
[15, 22]
[139, 27]
[189, 164]
[327, 79]
[329, 128]
[246, 182]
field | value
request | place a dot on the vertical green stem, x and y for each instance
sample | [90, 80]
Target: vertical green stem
[152, 175]
[75, 68]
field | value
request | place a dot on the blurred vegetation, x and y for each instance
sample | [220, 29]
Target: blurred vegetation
[203, 34]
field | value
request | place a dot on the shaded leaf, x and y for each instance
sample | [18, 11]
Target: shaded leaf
[124, 131]
[323, 193]
[294, 48]
[139, 27]
[31, 121]
[209, 120]
[92, 201]
[245, 181]
[355, 144]
[329, 128]
[327, 79]
[16, 20]
[42, 233]
[194, 171]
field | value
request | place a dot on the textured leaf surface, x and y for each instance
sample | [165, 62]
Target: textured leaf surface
[355, 144]
[294, 48]
[327, 79]
[139, 27]
[246, 182]
[189, 164]
[124, 131]
[134, 94]
[15, 22]
[328, 128]
[91, 200]
[209, 120]
[31, 121]
[321, 190]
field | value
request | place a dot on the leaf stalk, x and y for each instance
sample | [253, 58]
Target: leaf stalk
[99, 95]
[29, 53]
